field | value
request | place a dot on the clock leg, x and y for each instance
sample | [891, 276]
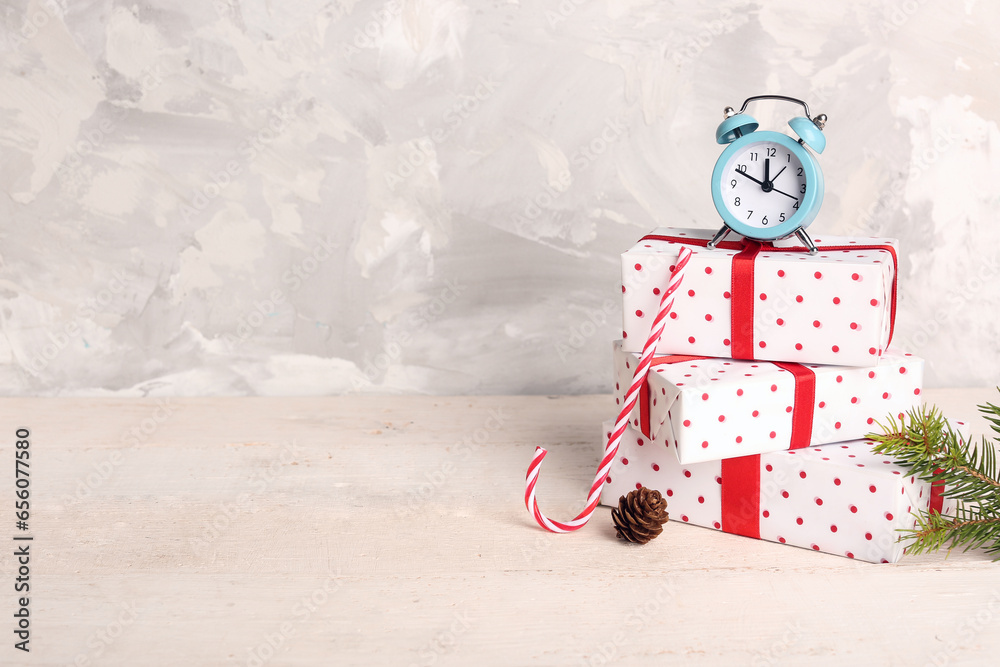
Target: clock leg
[806, 241]
[721, 234]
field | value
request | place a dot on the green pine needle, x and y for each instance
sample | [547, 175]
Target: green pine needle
[925, 444]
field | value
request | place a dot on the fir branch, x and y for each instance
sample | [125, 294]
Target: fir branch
[924, 443]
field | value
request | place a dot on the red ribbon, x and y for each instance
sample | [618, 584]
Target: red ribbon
[741, 496]
[937, 495]
[742, 295]
[803, 401]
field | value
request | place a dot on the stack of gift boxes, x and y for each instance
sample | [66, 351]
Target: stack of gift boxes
[773, 367]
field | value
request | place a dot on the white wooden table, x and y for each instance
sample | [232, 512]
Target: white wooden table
[392, 530]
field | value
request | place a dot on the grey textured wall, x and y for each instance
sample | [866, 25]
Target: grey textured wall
[240, 197]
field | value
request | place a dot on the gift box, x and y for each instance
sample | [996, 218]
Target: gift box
[706, 409]
[777, 302]
[841, 498]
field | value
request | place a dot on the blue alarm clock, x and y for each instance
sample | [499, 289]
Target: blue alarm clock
[766, 185]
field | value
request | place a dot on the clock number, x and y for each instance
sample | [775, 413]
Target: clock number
[741, 167]
[737, 202]
[800, 171]
[802, 188]
[753, 157]
[795, 205]
[788, 157]
[733, 182]
[764, 221]
[771, 152]
[781, 218]
[749, 213]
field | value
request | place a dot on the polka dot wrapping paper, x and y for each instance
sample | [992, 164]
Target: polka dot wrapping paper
[841, 498]
[704, 409]
[835, 307]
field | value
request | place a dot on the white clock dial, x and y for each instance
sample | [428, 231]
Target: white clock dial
[763, 184]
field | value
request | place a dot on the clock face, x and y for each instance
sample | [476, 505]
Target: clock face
[763, 184]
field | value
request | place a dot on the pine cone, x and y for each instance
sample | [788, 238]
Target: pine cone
[640, 515]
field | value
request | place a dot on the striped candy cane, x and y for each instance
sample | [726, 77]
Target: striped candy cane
[638, 379]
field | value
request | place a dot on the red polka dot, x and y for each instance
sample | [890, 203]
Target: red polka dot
[836, 481]
[655, 467]
[624, 334]
[762, 344]
[766, 514]
[701, 499]
[687, 473]
[789, 409]
[773, 434]
[726, 295]
[833, 529]
[673, 315]
[623, 289]
[871, 350]
[769, 467]
[639, 442]
[638, 267]
[670, 492]
[624, 461]
[854, 510]
[798, 346]
[774, 387]
[684, 518]
[822, 404]
[784, 494]
[854, 399]
[763, 297]
[704, 444]
[855, 276]
[690, 292]
[780, 322]
[798, 298]
[704, 397]
[687, 422]
[781, 539]
[817, 324]
[799, 521]
[868, 536]
[888, 516]
[739, 392]
[836, 300]
[607, 480]
[817, 275]
[722, 418]
[871, 421]
[725, 341]
[835, 348]
[717, 525]
[819, 501]
[902, 370]
[854, 325]
[886, 394]
[708, 269]
[872, 488]
[638, 485]
[815, 547]
[781, 274]
[708, 318]
[656, 290]
[836, 425]
[874, 302]
[916, 392]
[718, 480]
[690, 339]
[802, 474]
[840, 378]
[756, 413]
[849, 554]
[638, 313]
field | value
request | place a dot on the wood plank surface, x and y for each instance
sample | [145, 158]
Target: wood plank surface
[392, 530]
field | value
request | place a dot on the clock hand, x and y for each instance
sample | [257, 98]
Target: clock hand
[767, 170]
[743, 173]
[778, 174]
[784, 193]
